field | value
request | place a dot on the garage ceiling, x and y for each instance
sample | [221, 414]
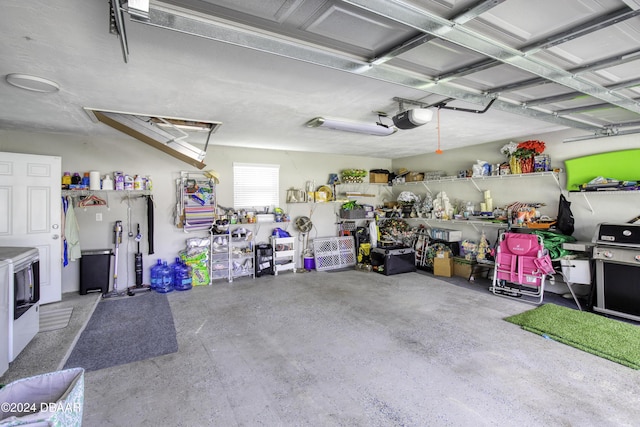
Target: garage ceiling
[264, 68]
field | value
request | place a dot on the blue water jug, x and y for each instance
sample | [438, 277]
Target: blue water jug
[182, 279]
[167, 279]
[156, 275]
[175, 267]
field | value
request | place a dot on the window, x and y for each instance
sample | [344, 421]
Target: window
[255, 185]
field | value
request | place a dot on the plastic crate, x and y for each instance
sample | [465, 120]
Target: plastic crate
[353, 213]
[334, 252]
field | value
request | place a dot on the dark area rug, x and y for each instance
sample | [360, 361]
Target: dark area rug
[608, 338]
[125, 330]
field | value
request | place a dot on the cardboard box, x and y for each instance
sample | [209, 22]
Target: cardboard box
[414, 176]
[443, 265]
[462, 267]
[378, 178]
[470, 270]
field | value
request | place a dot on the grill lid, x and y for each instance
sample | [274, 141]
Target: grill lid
[622, 235]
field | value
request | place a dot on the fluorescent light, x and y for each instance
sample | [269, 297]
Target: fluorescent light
[350, 126]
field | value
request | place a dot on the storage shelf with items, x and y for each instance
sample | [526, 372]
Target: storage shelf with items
[197, 255]
[481, 213]
[196, 204]
[349, 191]
[242, 253]
[284, 254]
[220, 257]
[264, 259]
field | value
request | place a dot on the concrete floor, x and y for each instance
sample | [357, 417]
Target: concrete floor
[352, 348]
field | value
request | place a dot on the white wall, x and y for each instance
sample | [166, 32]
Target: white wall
[85, 153]
[616, 208]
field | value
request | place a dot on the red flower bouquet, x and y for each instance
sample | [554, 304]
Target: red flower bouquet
[529, 148]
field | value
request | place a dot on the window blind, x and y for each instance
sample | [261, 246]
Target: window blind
[255, 185]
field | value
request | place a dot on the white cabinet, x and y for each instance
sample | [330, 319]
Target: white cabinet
[284, 254]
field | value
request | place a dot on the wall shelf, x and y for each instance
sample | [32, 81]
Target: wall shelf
[474, 180]
[86, 193]
[587, 194]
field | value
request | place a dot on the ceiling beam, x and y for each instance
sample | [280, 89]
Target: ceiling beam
[627, 84]
[430, 23]
[463, 17]
[583, 29]
[593, 66]
[176, 19]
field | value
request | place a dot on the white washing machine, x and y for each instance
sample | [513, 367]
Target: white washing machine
[4, 316]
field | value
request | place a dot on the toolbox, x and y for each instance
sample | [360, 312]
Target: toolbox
[393, 260]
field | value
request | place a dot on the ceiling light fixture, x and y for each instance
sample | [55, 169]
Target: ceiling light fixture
[32, 83]
[378, 129]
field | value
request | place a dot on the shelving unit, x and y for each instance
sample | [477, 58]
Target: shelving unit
[264, 259]
[196, 201]
[220, 257]
[357, 190]
[477, 224]
[85, 193]
[474, 180]
[284, 254]
[610, 193]
[104, 195]
[242, 257]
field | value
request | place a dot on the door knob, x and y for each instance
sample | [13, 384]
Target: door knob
[56, 237]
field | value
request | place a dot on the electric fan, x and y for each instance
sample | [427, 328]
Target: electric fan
[304, 225]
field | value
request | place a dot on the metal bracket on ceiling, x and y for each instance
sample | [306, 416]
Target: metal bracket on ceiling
[442, 105]
[116, 26]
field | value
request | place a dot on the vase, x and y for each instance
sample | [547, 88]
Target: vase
[514, 165]
[526, 165]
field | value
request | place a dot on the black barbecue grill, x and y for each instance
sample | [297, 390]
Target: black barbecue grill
[617, 259]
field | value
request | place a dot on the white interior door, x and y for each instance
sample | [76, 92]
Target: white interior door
[30, 213]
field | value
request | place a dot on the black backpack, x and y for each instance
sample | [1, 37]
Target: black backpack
[565, 223]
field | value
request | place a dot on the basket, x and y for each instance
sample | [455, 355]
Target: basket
[540, 225]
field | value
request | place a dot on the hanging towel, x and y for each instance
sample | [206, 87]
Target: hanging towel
[65, 247]
[72, 234]
[150, 223]
[373, 234]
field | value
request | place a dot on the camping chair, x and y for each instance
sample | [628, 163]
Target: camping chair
[521, 267]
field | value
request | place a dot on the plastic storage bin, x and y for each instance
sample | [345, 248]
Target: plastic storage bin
[51, 399]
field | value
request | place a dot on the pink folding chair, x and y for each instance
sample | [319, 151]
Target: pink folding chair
[521, 267]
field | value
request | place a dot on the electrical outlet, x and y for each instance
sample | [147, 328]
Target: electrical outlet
[98, 217]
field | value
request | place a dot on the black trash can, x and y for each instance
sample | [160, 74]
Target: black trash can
[95, 270]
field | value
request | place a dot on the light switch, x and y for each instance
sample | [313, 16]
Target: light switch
[98, 217]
